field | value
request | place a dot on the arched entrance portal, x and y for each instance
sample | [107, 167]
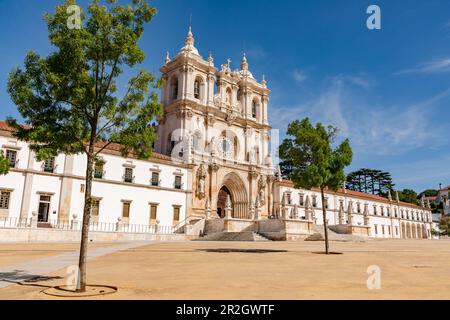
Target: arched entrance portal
[233, 186]
[221, 201]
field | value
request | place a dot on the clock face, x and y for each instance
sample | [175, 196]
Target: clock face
[224, 147]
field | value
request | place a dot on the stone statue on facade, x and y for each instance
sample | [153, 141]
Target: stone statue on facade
[262, 183]
[201, 181]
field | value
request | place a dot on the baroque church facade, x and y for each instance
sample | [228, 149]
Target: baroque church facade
[212, 172]
[217, 121]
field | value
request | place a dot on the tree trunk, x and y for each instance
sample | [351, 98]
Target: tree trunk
[86, 215]
[325, 226]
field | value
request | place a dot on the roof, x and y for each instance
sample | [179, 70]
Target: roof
[113, 148]
[357, 194]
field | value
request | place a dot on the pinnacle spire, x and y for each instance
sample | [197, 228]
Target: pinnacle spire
[189, 42]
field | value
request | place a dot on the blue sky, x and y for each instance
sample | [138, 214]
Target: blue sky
[388, 90]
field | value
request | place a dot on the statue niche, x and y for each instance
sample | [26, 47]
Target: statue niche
[262, 183]
[201, 181]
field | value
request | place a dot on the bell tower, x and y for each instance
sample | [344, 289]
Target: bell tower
[189, 82]
[215, 122]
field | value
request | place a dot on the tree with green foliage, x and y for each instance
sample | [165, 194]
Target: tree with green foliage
[70, 99]
[316, 162]
[444, 226]
[408, 195]
[4, 165]
[370, 181]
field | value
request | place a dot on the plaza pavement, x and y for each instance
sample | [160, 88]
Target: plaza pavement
[410, 269]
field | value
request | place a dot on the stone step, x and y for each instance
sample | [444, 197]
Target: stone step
[233, 236]
[319, 232]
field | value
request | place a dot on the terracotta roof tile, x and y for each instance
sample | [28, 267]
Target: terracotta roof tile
[114, 147]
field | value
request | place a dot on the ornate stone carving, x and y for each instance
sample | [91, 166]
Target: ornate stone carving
[230, 118]
[201, 181]
[262, 183]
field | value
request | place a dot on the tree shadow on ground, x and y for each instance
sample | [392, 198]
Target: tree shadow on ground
[230, 250]
[21, 277]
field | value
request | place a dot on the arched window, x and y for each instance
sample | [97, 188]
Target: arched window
[174, 88]
[235, 146]
[197, 84]
[239, 93]
[254, 108]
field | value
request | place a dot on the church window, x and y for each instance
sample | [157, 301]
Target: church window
[155, 179]
[254, 107]
[128, 175]
[11, 156]
[239, 93]
[314, 201]
[174, 88]
[98, 169]
[197, 89]
[177, 182]
[4, 199]
[288, 198]
[49, 165]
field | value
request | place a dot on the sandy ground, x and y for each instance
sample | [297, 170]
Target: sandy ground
[410, 269]
[16, 253]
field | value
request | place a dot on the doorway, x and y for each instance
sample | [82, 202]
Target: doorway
[44, 208]
[221, 201]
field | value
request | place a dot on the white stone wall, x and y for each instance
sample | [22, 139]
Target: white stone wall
[391, 224]
[111, 189]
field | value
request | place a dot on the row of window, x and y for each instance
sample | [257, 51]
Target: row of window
[126, 211]
[197, 94]
[49, 166]
[384, 213]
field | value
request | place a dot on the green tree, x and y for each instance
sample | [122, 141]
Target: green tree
[370, 181]
[4, 165]
[408, 195]
[428, 193]
[70, 98]
[316, 162]
[444, 226]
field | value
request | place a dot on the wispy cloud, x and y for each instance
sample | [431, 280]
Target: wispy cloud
[372, 129]
[298, 76]
[256, 52]
[436, 66]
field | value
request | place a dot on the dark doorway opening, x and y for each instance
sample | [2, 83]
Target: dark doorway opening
[221, 201]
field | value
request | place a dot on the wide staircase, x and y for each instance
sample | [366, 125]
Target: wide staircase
[319, 235]
[233, 236]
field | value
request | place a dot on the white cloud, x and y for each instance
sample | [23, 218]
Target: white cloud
[435, 66]
[298, 76]
[372, 129]
[256, 52]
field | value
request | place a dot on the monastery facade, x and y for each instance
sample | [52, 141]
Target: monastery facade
[212, 172]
